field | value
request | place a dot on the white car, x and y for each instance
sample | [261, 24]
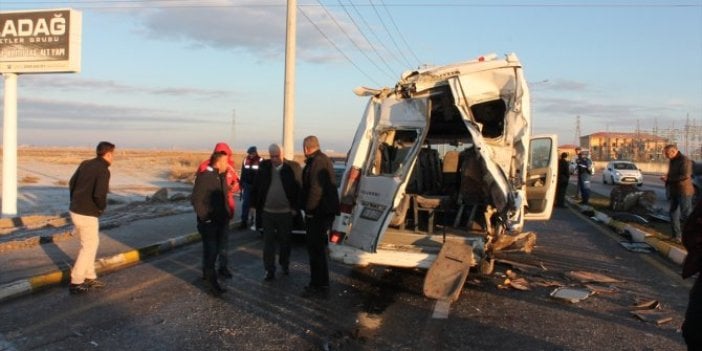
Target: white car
[622, 172]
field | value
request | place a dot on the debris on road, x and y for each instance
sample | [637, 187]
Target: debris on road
[571, 295]
[590, 277]
[637, 247]
[653, 316]
[601, 290]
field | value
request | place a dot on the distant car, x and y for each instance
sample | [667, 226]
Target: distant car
[622, 172]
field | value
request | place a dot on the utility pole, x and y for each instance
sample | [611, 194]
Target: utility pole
[577, 131]
[289, 85]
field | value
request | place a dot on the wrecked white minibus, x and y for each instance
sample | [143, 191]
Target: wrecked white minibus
[446, 157]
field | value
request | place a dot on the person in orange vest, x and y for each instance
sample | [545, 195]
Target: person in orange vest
[249, 171]
[232, 181]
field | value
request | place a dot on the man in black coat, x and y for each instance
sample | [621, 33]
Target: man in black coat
[275, 196]
[563, 179]
[209, 199]
[88, 189]
[692, 240]
[320, 201]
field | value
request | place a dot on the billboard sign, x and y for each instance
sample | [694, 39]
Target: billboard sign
[40, 41]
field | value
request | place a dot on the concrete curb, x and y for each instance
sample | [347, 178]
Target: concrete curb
[665, 249]
[102, 265]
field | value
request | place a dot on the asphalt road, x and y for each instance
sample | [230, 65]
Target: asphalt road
[161, 305]
[651, 182]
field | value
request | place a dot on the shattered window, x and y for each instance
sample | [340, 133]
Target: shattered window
[392, 151]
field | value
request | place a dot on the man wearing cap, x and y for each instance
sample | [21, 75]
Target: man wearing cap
[249, 171]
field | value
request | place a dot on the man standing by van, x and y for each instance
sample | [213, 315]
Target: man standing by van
[321, 203]
[678, 183]
[88, 191]
[276, 196]
[584, 171]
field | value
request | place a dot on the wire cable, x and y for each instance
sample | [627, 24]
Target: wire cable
[336, 47]
[392, 39]
[392, 20]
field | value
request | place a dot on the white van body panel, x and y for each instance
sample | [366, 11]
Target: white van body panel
[468, 126]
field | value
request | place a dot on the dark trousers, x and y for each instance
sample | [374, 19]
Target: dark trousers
[245, 201]
[223, 248]
[561, 189]
[277, 228]
[317, 241]
[211, 234]
[692, 327]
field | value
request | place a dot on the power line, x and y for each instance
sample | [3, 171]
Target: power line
[336, 47]
[380, 18]
[409, 48]
[350, 38]
[366, 38]
[215, 3]
[382, 43]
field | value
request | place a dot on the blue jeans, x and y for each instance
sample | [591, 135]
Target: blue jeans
[680, 209]
[584, 186]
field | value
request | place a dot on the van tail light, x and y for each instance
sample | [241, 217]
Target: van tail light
[345, 207]
[336, 237]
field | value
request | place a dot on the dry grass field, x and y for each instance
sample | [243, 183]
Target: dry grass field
[43, 174]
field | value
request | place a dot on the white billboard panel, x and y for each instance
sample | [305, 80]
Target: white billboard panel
[40, 41]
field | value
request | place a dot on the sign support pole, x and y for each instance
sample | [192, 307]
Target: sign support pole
[9, 147]
[289, 85]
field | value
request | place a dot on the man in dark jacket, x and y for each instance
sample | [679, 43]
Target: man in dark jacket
[209, 200]
[88, 191]
[678, 183]
[249, 172]
[692, 240]
[321, 203]
[563, 179]
[276, 196]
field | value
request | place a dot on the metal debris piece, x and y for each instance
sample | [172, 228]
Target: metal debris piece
[646, 305]
[601, 290]
[519, 284]
[510, 274]
[548, 283]
[587, 277]
[570, 294]
[637, 247]
[653, 316]
[521, 242]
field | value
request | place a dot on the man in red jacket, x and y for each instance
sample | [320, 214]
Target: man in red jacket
[232, 181]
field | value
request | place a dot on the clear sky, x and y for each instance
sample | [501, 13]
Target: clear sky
[176, 73]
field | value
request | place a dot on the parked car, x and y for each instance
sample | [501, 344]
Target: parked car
[622, 172]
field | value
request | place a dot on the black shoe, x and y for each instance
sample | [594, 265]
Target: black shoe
[286, 271]
[224, 272]
[76, 289]
[94, 284]
[269, 276]
[214, 288]
[312, 291]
